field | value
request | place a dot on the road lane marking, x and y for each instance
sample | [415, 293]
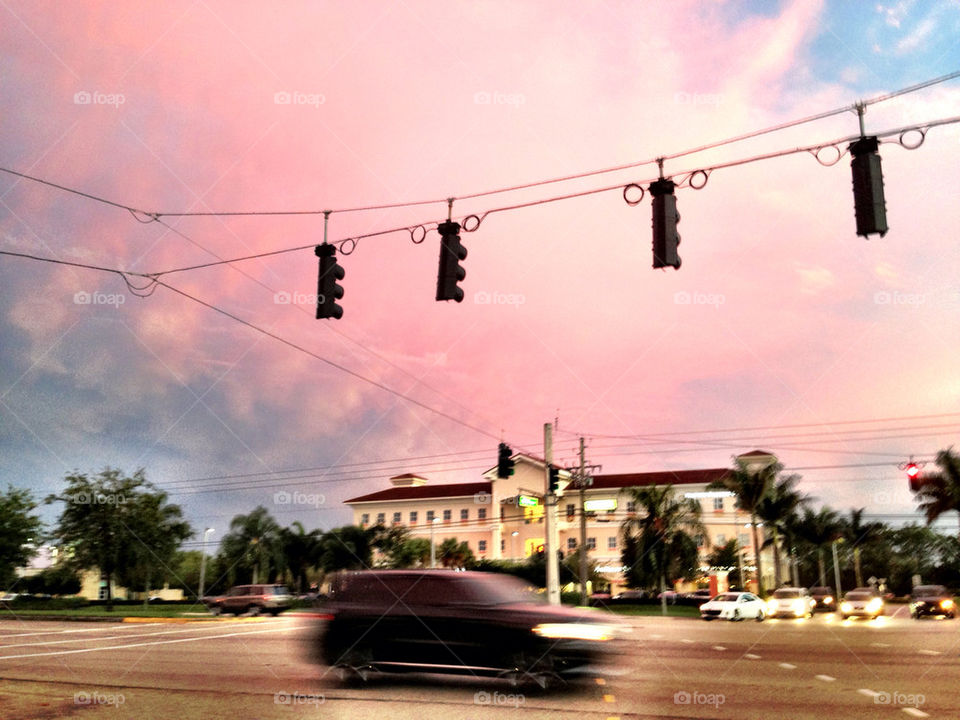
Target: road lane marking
[788, 666]
[868, 692]
[915, 712]
[64, 632]
[609, 698]
[751, 656]
[878, 644]
[685, 640]
[825, 678]
[657, 636]
[929, 652]
[719, 647]
[143, 644]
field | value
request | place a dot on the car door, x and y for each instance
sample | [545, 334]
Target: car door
[749, 605]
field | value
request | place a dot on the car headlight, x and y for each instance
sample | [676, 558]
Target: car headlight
[846, 607]
[946, 604]
[798, 607]
[576, 631]
[875, 605]
[828, 600]
[772, 606]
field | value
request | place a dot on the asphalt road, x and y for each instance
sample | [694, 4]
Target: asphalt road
[672, 668]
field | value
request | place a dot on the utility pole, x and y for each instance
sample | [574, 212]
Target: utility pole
[550, 512]
[836, 567]
[582, 482]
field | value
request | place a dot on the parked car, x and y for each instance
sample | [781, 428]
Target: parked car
[825, 598]
[696, 597]
[932, 600]
[252, 599]
[793, 602]
[474, 623]
[734, 606]
[861, 602]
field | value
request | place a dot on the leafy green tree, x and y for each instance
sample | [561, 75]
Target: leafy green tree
[389, 541]
[253, 545]
[858, 533]
[453, 554]
[658, 542]
[300, 552]
[940, 490]
[820, 529]
[118, 524]
[19, 532]
[59, 579]
[346, 548]
[780, 504]
[415, 552]
[750, 485]
[725, 556]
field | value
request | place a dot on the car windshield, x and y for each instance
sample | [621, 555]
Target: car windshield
[498, 589]
[821, 591]
[930, 590]
[858, 596]
[726, 597]
[278, 590]
[787, 594]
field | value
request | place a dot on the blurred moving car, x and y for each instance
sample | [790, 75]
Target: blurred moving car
[443, 621]
[824, 597]
[734, 606]
[932, 600]
[861, 602]
[793, 602]
[251, 599]
[697, 596]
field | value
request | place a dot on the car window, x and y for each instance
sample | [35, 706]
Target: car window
[726, 597]
[786, 594]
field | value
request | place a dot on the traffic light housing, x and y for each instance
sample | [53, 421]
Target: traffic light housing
[505, 465]
[328, 289]
[869, 205]
[554, 479]
[451, 253]
[665, 219]
[913, 476]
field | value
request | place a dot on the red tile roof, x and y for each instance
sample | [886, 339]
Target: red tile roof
[666, 477]
[425, 492]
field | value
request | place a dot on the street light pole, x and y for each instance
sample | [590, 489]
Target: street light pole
[513, 554]
[203, 559]
[433, 547]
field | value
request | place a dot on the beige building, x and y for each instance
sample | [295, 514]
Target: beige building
[503, 518]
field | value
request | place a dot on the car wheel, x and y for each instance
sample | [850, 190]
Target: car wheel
[736, 615]
[253, 610]
[845, 617]
[708, 619]
[760, 616]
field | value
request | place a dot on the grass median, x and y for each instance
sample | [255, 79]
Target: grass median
[642, 610]
[98, 611]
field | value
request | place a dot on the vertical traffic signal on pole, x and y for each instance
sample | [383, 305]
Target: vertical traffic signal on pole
[554, 479]
[451, 253]
[913, 476]
[328, 291]
[665, 219]
[868, 202]
[505, 466]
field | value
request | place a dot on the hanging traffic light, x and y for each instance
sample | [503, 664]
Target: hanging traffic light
[913, 476]
[451, 253]
[505, 465]
[328, 291]
[665, 219]
[868, 202]
[554, 479]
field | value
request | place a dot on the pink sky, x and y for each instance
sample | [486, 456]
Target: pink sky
[792, 318]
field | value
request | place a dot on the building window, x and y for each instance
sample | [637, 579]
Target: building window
[721, 539]
[503, 545]
[744, 540]
[570, 511]
[718, 503]
[397, 518]
[612, 542]
[447, 514]
[381, 518]
[571, 544]
[591, 543]
[430, 516]
[365, 519]
[631, 506]
[481, 513]
[481, 546]
[464, 514]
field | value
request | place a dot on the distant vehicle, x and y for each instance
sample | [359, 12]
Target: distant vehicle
[932, 600]
[697, 596]
[861, 602]
[792, 602]
[825, 598]
[473, 623]
[252, 599]
[734, 606]
[629, 596]
[9, 597]
[669, 595]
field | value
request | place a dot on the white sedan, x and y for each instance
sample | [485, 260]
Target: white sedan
[734, 606]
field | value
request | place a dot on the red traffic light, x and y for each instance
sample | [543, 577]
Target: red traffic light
[912, 471]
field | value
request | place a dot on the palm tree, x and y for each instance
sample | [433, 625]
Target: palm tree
[658, 538]
[750, 485]
[939, 491]
[254, 543]
[819, 529]
[856, 533]
[299, 552]
[781, 502]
